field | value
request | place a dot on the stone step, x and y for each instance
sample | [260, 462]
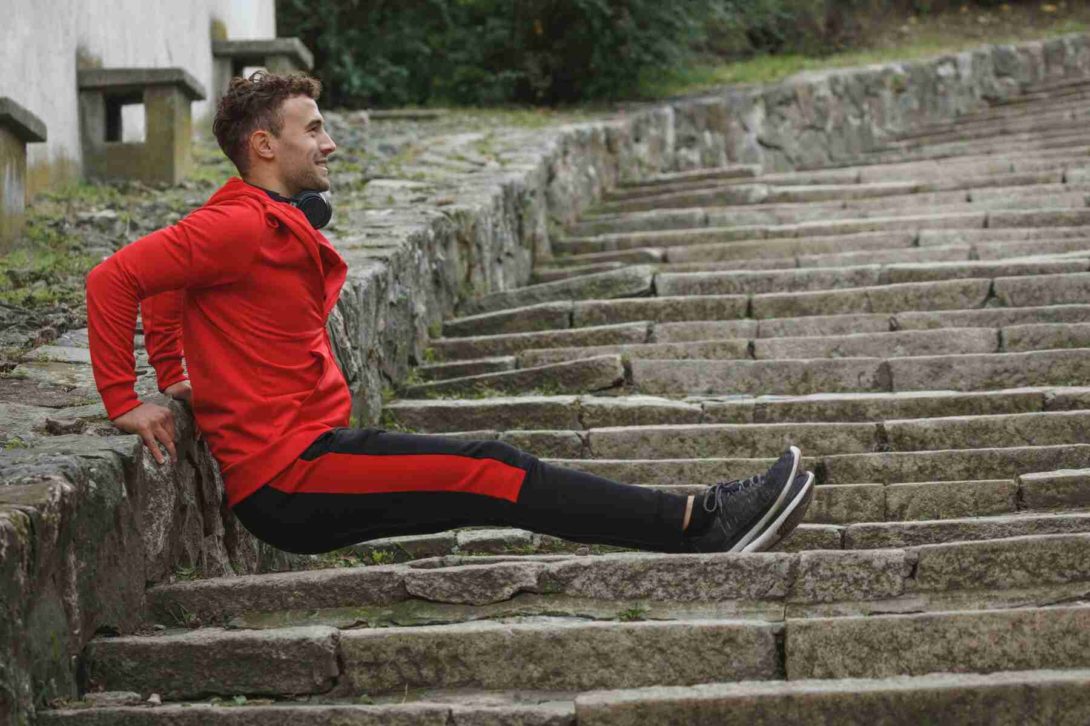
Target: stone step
[544, 273]
[473, 584]
[1019, 639]
[1018, 328]
[872, 468]
[1013, 698]
[988, 142]
[968, 372]
[581, 376]
[558, 654]
[757, 193]
[585, 313]
[580, 413]
[461, 369]
[971, 178]
[551, 711]
[509, 343]
[741, 339]
[884, 535]
[900, 344]
[985, 147]
[757, 440]
[948, 192]
[958, 294]
[796, 253]
[627, 282]
[730, 171]
[727, 349]
[549, 654]
[674, 227]
[741, 252]
[1024, 126]
[635, 257]
[913, 224]
[757, 282]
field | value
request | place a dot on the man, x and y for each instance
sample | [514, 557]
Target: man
[244, 285]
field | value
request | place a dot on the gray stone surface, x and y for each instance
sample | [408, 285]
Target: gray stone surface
[893, 645]
[983, 372]
[630, 281]
[745, 440]
[1055, 489]
[517, 412]
[579, 376]
[1015, 562]
[978, 432]
[557, 655]
[27, 127]
[846, 503]
[951, 499]
[910, 534]
[865, 575]
[1002, 699]
[759, 377]
[545, 316]
[493, 345]
[217, 662]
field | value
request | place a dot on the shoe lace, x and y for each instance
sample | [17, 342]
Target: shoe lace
[718, 491]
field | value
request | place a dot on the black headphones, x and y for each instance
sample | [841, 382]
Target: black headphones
[314, 205]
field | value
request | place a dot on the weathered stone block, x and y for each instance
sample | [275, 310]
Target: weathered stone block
[166, 93]
[277, 55]
[18, 127]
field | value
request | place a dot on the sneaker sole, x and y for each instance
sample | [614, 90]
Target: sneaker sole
[787, 520]
[762, 523]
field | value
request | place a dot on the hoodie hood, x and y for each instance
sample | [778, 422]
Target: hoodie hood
[326, 258]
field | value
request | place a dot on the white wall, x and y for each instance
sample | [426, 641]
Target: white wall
[39, 41]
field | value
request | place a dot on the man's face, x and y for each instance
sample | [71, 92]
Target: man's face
[302, 146]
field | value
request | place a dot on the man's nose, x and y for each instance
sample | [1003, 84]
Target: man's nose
[328, 146]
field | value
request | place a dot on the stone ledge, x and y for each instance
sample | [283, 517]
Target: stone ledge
[259, 49]
[126, 80]
[25, 125]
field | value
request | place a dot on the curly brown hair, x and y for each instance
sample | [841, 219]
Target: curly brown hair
[254, 103]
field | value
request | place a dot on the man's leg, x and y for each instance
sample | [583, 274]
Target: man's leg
[352, 485]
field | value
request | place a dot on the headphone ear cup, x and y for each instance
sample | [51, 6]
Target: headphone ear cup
[315, 207]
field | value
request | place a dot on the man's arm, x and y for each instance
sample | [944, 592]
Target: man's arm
[162, 317]
[212, 246]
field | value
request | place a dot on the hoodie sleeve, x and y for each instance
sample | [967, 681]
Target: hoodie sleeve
[162, 318]
[214, 245]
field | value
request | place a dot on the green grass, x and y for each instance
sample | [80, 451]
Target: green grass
[774, 68]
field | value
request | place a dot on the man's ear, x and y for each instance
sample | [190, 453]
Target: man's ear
[261, 144]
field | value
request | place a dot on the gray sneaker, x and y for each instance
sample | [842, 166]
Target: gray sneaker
[745, 507]
[788, 517]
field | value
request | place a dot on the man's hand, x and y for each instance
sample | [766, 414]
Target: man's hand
[180, 390]
[154, 424]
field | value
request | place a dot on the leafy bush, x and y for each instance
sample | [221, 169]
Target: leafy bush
[387, 52]
[473, 52]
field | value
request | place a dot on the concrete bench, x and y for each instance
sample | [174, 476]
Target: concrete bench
[165, 153]
[18, 127]
[277, 55]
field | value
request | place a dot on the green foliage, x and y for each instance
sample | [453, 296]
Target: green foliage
[380, 53]
[633, 614]
[412, 52]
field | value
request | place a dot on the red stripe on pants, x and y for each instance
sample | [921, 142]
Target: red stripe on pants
[335, 473]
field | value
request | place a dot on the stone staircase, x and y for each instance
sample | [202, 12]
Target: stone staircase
[919, 324]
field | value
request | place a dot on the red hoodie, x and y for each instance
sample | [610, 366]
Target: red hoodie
[246, 284]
